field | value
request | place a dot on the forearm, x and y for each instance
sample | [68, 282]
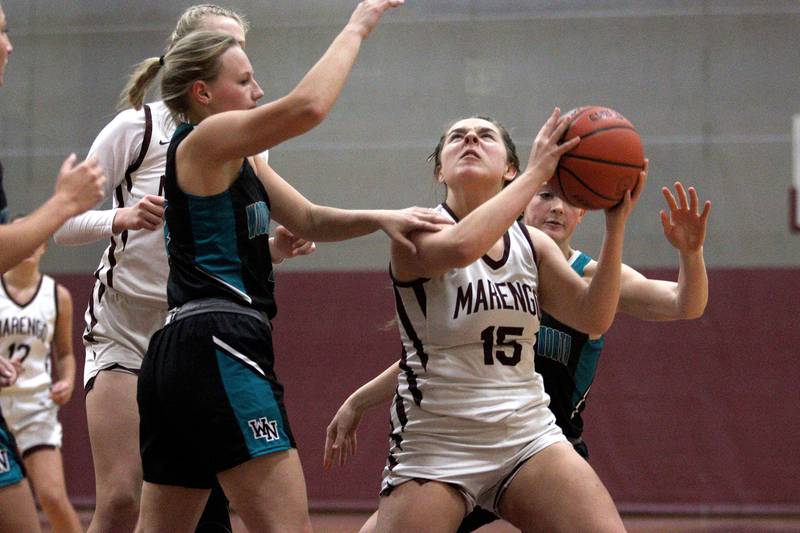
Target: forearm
[692, 289]
[376, 391]
[323, 84]
[602, 295]
[481, 228]
[86, 228]
[327, 224]
[65, 367]
[21, 240]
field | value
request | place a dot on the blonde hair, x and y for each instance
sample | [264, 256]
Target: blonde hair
[190, 21]
[196, 57]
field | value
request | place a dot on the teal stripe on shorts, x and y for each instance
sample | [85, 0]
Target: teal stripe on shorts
[10, 470]
[254, 405]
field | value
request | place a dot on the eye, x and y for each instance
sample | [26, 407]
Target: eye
[545, 195]
[487, 136]
[455, 136]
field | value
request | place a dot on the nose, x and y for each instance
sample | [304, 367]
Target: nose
[471, 137]
[257, 93]
[557, 204]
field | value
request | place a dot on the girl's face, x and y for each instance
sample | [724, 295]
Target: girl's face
[549, 212]
[5, 45]
[234, 88]
[473, 148]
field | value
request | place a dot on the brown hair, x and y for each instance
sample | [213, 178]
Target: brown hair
[511, 149]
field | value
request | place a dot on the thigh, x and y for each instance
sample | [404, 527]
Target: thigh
[113, 420]
[557, 490]
[17, 510]
[421, 506]
[46, 470]
[269, 492]
[170, 508]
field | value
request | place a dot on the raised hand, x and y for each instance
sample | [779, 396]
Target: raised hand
[79, 187]
[619, 213]
[368, 13]
[340, 437]
[398, 224]
[147, 213]
[684, 226]
[546, 151]
[284, 245]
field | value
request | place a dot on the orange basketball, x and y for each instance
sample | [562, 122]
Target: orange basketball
[606, 163]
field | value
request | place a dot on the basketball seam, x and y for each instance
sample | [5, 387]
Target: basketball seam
[573, 121]
[604, 161]
[579, 180]
[607, 128]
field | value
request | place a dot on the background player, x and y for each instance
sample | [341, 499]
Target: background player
[78, 188]
[35, 329]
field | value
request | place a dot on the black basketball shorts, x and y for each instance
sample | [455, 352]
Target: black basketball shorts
[209, 399]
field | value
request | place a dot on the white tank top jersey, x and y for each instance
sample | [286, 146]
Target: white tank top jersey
[132, 150]
[26, 334]
[468, 335]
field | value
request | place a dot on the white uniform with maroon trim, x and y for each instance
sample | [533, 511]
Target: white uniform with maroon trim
[129, 299]
[26, 335]
[469, 408]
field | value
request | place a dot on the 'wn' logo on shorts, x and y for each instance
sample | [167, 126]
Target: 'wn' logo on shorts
[263, 428]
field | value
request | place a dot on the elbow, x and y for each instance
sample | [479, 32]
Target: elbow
[310, 111]
[694, 313]
[463, 254]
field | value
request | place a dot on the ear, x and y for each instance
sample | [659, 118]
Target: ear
[510, 173]
[200, 93]
[580, 215]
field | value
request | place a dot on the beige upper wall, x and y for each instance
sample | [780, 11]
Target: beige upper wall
[710, 85]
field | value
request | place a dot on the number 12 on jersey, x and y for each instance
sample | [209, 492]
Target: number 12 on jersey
[489, 341]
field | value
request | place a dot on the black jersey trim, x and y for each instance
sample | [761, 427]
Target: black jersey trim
[411, 283]
[133, 167]
[29, 302]
[409, 329]
[492, 263]
[527, 235]
[496, 264]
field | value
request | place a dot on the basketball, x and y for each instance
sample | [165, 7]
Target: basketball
[606, 163]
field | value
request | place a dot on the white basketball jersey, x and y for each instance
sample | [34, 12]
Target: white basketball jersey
[468, 335]
[132, 149]
[26, 335]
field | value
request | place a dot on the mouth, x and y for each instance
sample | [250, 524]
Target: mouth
[553, 224]
[470, 153]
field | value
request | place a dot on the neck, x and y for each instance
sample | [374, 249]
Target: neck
[26, 274]
[465, 200]
[566, 249]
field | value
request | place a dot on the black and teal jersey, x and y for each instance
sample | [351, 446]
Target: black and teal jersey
[567, 360]
[218, 246]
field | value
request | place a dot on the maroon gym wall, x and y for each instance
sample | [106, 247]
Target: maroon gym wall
[689, 416]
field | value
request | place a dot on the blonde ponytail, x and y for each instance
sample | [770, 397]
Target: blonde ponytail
[139, 82]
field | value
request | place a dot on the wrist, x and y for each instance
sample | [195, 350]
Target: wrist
[357, 30]
[118, 223]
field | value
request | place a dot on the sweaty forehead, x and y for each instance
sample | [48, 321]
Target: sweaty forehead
[473, 123]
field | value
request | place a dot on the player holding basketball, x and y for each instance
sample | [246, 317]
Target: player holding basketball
[470, 418]
[129, 300]
[78, 188]
[35, 325]
[568, 375]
